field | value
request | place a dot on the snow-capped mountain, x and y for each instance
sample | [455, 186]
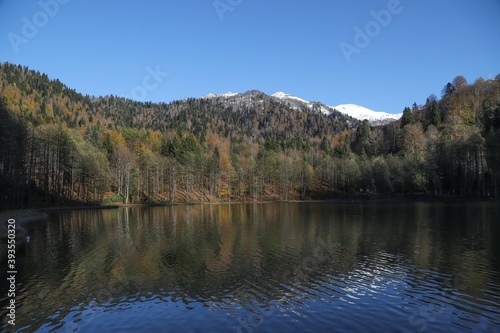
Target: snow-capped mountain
[360, 112]
[352, 110]
[228, 94]
[282, 95]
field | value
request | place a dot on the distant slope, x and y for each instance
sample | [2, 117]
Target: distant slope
[352, 110]
[253, 114]
[360, 112]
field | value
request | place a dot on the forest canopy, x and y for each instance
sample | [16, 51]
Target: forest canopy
[59, 147]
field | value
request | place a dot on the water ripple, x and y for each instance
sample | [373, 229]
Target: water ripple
[307, 268]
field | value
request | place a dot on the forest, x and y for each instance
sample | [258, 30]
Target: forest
[60, 148]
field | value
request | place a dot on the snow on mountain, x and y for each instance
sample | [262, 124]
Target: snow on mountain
[360, 112]
[282, 95]
[353, 110]
[228, 94]
[209, 95]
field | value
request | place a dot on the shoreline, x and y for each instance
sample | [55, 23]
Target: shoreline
[23, 218]
[29, 215]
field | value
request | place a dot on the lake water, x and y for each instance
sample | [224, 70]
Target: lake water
[289, 267]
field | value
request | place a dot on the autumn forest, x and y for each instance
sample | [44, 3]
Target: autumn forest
[59, 147]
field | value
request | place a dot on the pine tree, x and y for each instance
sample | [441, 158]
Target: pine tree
[407, 117]
[325, 145]
[435, 114]
[447, 90]
[108, 145]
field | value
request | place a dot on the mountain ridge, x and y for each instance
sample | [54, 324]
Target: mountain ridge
[252, 114]
[352, 110]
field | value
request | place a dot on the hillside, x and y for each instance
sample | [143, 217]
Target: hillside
[59, 147]
[351, 110]
[253, 113]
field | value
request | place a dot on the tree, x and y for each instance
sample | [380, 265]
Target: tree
[213, 171]
[407, 117]
[381, 175]
[447, 90]
[123, 165]
[108, 145]
[435, 111]
[459, 83]
[325, 145]
[286, 177]
[414, 140]
[148, 167]
[414, 108]
[306, 174]
[432, 158]
[493, 159]
[363, 135]
[13, 178]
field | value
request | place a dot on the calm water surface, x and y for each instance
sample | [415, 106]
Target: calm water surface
[306, 267]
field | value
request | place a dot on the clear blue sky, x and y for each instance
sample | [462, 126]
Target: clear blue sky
[105, 47]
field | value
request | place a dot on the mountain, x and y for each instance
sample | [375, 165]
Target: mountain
[352, 110]
[59, 147]
[212, 95]
[297, 103]
[360, 112]
[266, 107]
[252, 114]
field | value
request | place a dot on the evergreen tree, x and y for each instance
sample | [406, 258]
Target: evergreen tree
[447, 90]
[325, 145]
[108, 145]
[435, 114]
[407, 117]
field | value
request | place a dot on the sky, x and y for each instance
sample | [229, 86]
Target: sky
[381, 54]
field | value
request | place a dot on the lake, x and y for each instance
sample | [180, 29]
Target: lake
[278, 267]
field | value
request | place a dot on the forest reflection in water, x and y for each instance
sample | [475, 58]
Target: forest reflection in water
[265, 264]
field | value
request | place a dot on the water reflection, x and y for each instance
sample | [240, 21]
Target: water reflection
[265, 267]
